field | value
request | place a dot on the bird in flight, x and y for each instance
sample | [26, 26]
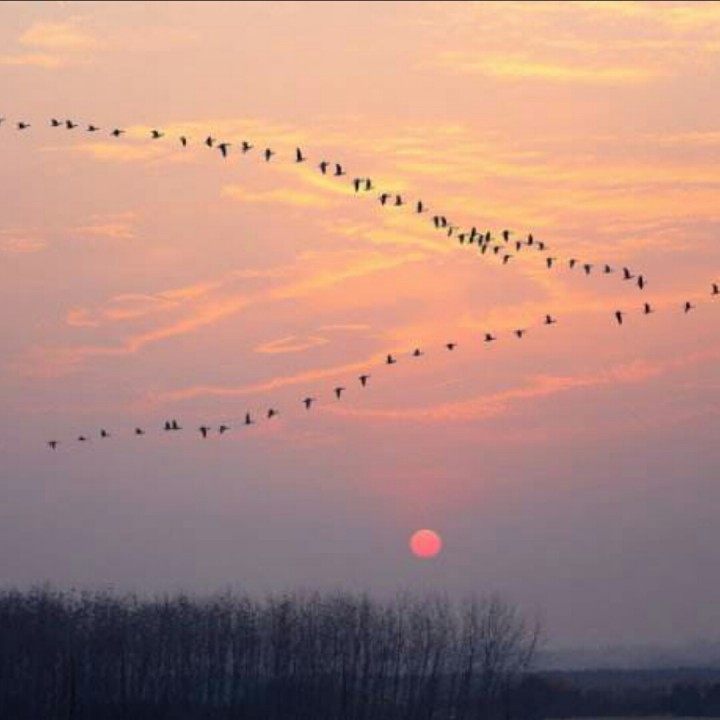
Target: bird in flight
[204, 430]
[363, 379]
[248, 419]
[70, 125]
[246, 146]
[549, 261]
[390, 360]
[54, 122]
[339, 170]
[209, 141]
[451, 345]
[117, 132]
[268, 154]
[324, 165]
[23, 125]
[357, 182]
[550, 320]
[223, 148]
[271, 413]
[308, 401]
[641, 282]
[53, 444]
[715, 289]
[339, 391]
[520, 332]
[619, 316]
[607, 269]
[183, 141]
[156, 134]
[506, 259]
[571, 263]
[384, 197]
[92, 128]
[419, 207]
[688, 306]
[627, 275]
[139, 431]
[104, 434]
[647, 309]
[417, 352]
[223, 429]
[82, 438]
[368, 184]
[299, 157]
[587, 267]
[398, 201]
[489, 337]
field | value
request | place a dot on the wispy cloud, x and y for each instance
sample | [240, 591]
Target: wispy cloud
[277, 196]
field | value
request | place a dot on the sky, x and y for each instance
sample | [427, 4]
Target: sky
[574, 471]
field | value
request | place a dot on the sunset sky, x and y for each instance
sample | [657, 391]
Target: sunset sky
[575, 471]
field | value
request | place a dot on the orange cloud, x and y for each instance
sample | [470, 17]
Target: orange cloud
[60, 37]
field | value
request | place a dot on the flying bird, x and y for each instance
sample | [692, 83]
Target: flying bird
[117, 132]
[519, 333]
[363, 379]
[417, 352]
[339, 391]
[339, 170]
[549, 261]
[156, 134]
[489, 337]
[506, 259]
[357, 182]
[368, 184]
[550, 320]
[268, 154]
[641, 282]
[82, 438]
[384, 197]
[209, 141]
[587, 267]
[390, 360]
[688, 306]
[183, 141]
[607, 269]
[53, 444]
[55, 122]
[23, 125]
[571, 263]
[715, 289]
[451, 345]
[541, 246]
[248, 419]
[175, 425]
[223, 148]
[223, 429]
[299, 157]
[619, 316]
[204, 430]
[308, 401]
[246, 146]
[70, 125]
[530, 239]
[627, 275]
[92, 128]
[271, 413]
[139, 431]
[419, 207]
[168, 426]
[647, 309]
[398, 201]
[324, 165]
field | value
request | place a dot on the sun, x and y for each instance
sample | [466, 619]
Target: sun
[425, 544]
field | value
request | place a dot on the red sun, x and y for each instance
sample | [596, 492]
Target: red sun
[425, 544]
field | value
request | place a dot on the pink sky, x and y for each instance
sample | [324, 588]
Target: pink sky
[575, 471]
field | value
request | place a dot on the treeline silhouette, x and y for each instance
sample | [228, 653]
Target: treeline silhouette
[72, 656]
[682, 692]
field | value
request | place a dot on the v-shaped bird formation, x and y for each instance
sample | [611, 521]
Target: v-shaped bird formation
[504, 246]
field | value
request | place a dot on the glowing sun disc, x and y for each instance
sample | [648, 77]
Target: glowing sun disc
[425, 544]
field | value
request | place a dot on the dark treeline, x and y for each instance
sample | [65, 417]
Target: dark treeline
[75, 656]
[680, 693]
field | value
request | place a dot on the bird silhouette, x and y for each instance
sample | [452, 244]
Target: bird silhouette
[168, 426]
[204, 430]
[627, 275]
[156, 134]
[417, 352]
[268, 154]
[688, 306]
[506, 235]
[641, 282]
[419, 207]
[117, 132]
[339, 391]
[308, 401]
[384, 197]
[489, 337]
[368, 184]
[549, 261]
[139, 431]
[104, 434]
[390, 360]
[647, 309]
[398, 201]
[248, 419]
[587, 267]
[23, 125]
[209, 141]
[607, 269]
[363, 379]
[223, 429]
[55, 123]
[53, 444]
[357, 182]
[271, 413]
[506, 259]
[324, 165]
[246, 146]
[70, 125]
[223, 148]
[519, 333]
[183, 141]
[299, 157]
[82, 438]
[92, 128]
[619, 316]
[550, 320]
[530, 239]
[451, 345]
[715, 289]
[339, 170]
[571, 263]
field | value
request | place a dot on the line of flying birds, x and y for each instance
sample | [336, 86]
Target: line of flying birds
[173, 425]
[502, 246]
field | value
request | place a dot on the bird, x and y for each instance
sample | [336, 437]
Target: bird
[519, 333]
[54, 122]
[139, 431]
[506, 235]
[587, 267]
[183, 141]
[627, 275]
[299, 157]
[2, 120]
[506, 259]
[339, 170]
[168, 426]
[175, 425]
[324, 166]
[246, 146]
[417, 352]
[223, 429]
[607, 269]
[530, 239]
[209, 140]
[489, 337]
[384, 197]
[641, 282]
[688, 306]
[518, 245]
[117, 132]
[398, 201]
[339, 391]
[461, 237]
[550, 320]
[715, 289]
[357, 182]
[308, 401]
[92, 128]
[23, 125]
[268, 154]
[549, 261]
[204, 430]
[451, 345]
[419, 207]
[619, 316]
[647, 309]
[223, 148]
[53, 444]
[70, 125]
[156, 134]
[571, 263]
[248, 419]
[497, 249]
[368, 184]
[82, 438]
[271, 413]
[104, 434]
[541, 246]
[363, 379]
[390, 360]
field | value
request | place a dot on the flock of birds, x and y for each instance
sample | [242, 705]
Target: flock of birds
[503, 246]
